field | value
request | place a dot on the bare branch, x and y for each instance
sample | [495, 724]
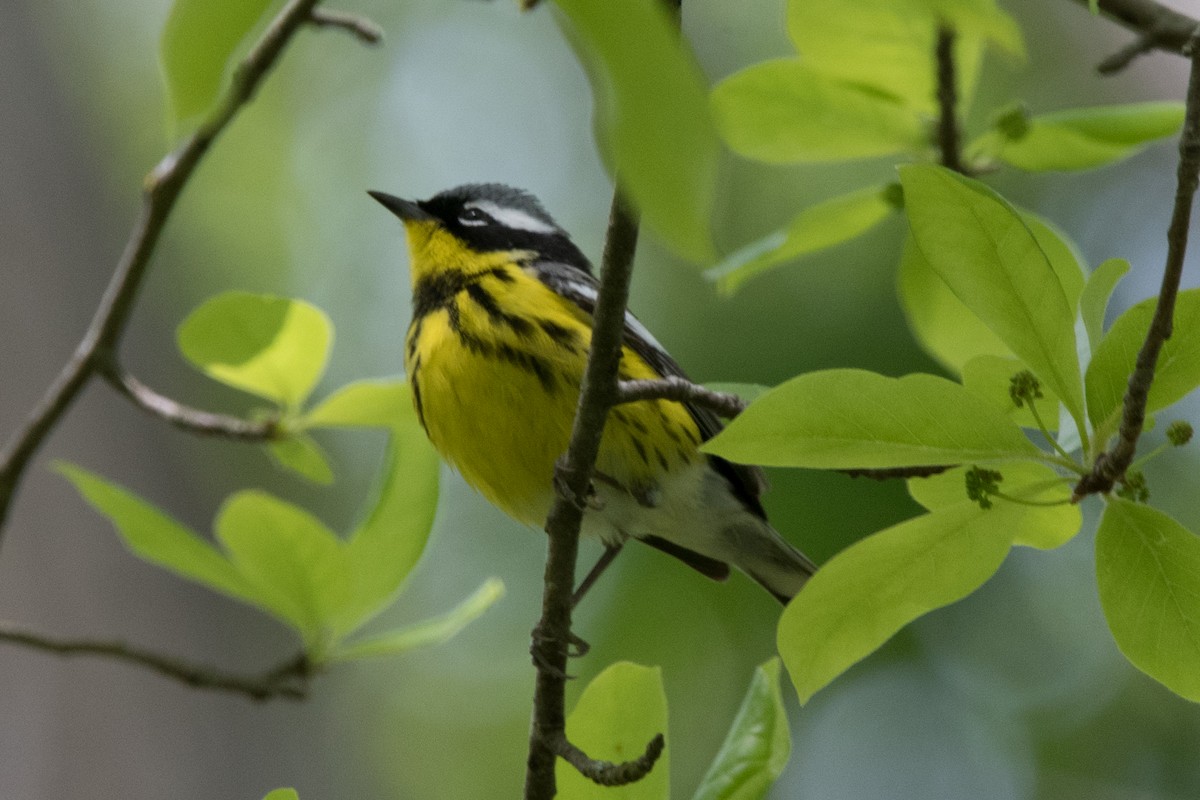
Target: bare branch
[160, 190]
[193, 420]
[1158, 28]
[891, 473]
[362, 28]
[949, 137]
[289, 679]
[573, 477]
[1110, 467]
[680, 390]
[606, 773]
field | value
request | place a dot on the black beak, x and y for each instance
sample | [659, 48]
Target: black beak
[406, 210]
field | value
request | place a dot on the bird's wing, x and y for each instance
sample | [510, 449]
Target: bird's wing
[582, 289]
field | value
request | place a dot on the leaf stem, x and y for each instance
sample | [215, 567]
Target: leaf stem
[1037, 418]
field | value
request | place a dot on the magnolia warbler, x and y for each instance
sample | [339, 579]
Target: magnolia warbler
[502, 316]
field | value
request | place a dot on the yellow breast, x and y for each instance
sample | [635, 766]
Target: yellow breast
[495, 366]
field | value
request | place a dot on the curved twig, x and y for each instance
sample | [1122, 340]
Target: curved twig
[607, 773]
[361, 28]
[289, 679]
[193, 420]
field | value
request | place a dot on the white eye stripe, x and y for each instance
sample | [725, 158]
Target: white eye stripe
[509, 217]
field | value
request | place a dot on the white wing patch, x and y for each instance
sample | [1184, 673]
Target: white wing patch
[633, 323]
[512, 217]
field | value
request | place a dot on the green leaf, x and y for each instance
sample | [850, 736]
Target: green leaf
[652, 115]
[987, 255]
[375, 404]
[617, 715]
[269, 346]
[757, 747]
[384, 548]
[297, 566]
[870, 590]
[817, 227]
[1178, 371]
[196, 50]
[1084, 138]
[1062, 254]
[1096, 294]
[1148, 572]
[302, 455]
[783, 111]
[427, 633]
[846, 418]
[991, 376]
[155, 537]
[889, 44]
[945, 327]
[1052, 526]
[282, 794]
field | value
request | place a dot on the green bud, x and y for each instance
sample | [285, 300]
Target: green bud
[1024, 387]
[1179, 432]
[1134, 487]
[982, 484]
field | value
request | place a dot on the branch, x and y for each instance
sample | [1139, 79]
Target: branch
[193, 420]
[598, 394]
[1158, 28]
[606, 773]
[289, 679]
[949, 137]
[1110, 467]
[680, 390]
[161, 189]
[361, 28]
[891, 473]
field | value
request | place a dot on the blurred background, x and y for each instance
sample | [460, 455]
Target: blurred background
[1017, 692]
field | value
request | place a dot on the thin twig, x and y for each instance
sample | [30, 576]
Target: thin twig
[362, 28]
[1111, 466]
[160, 190]
[1158, 28]
[607, 773]
[573, 476]
[194, 420]
[289, 679]
[680, 390]
[949, 137]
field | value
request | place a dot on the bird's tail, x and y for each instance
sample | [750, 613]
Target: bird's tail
[760, 552]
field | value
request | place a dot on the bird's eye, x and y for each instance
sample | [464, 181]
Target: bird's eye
[473, 216]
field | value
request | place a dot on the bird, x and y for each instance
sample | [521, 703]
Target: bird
[502, 304]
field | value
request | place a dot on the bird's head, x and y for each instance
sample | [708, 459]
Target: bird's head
[467, 227]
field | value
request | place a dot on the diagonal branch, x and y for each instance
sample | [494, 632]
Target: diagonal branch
[680, 390]
[598, 394]
[289, 679]
[160, 191]
[1111, 466]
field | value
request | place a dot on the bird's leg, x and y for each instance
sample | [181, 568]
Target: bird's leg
[606, 558]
